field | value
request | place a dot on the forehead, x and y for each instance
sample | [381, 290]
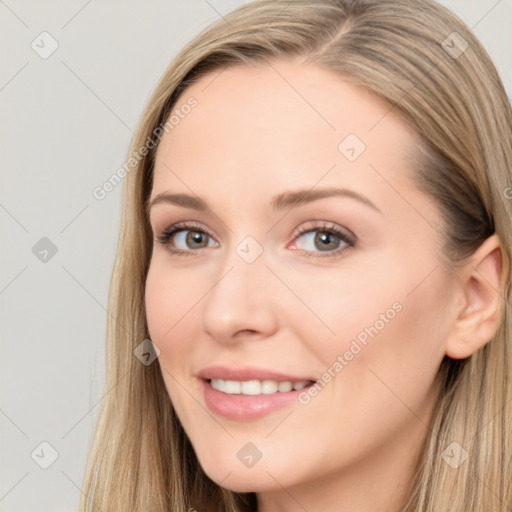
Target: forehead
[274, 124]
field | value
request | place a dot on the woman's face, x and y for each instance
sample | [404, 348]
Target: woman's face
[345, 289]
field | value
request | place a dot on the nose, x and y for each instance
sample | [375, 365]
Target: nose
[242, 301]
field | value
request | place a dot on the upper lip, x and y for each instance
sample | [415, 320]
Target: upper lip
[248, 373]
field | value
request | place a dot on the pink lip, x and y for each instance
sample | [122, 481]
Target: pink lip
[247, 373]
[246, 407]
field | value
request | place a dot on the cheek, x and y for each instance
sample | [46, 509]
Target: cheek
[169, 297]
[378, 338]
[340, 312]
[392, 351]
[167, 302]
[166, 305]
[379, 370]
[157, 303]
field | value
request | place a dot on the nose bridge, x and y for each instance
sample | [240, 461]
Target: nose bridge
[241, 297]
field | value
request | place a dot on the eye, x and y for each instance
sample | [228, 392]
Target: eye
[327, 239]
[186, 237]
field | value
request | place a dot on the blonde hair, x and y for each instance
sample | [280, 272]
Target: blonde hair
[405, 52]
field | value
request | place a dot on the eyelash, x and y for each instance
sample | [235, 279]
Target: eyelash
[325, 228]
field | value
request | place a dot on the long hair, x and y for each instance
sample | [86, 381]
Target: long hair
[430, 68]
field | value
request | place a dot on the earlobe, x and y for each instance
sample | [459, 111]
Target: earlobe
[482, 282]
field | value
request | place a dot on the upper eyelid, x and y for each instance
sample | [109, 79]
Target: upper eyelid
[313, 224]
[188, 226]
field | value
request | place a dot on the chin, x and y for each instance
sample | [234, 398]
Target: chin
[260, 478]
[245, 482]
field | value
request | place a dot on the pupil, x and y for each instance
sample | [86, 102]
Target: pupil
[324, 238]
[195, 237]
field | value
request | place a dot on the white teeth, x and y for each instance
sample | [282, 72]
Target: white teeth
[283, 387]
[232, 387]
[268, 387]
[256, 387]
[251, 387]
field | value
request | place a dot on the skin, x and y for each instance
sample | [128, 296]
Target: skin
[256, 132]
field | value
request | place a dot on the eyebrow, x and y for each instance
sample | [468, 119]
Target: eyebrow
[280, 202]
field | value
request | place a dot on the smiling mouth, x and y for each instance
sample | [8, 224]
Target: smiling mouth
[257, 387]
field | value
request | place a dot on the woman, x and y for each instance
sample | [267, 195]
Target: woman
[314, 268]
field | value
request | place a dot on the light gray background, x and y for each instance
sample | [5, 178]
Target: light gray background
[66, 122]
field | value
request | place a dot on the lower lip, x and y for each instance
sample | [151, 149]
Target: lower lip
[246, 407]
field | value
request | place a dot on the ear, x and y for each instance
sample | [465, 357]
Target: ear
[482, 282]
